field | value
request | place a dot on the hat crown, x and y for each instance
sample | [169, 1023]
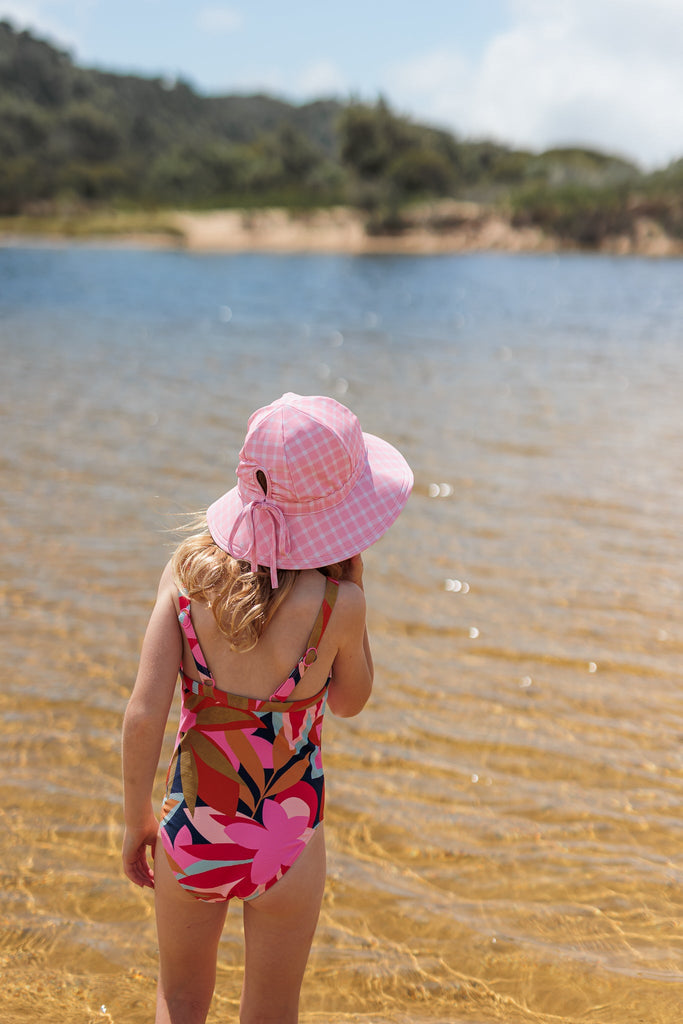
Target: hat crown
[310, 449]
[330, 489]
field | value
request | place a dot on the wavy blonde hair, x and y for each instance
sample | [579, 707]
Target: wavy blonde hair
[243, 602]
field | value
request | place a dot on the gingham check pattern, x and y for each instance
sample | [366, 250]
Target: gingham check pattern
[339, 489]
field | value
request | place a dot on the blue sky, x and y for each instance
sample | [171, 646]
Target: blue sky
[534, 73]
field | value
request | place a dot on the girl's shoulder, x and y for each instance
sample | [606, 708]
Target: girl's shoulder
[349, 610]
[350, 596]
[168, 588]
[307, 597]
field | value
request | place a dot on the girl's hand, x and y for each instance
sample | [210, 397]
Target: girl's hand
[134, 852]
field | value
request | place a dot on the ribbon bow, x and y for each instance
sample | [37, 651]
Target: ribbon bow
[272, 518]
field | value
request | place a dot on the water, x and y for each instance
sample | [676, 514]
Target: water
[503, 819]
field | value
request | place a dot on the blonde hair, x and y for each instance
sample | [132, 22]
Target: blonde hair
[243, 602]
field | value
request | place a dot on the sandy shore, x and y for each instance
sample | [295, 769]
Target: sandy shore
[443, 227]
[463, 227]
[433, 228]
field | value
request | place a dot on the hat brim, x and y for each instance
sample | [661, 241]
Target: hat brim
[317, 539]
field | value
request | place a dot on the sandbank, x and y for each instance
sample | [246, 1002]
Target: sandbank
[447, 226]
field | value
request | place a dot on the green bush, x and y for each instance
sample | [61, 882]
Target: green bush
[574, 212]
[90, 137]
[421, 171]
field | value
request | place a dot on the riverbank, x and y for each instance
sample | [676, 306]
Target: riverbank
[439, 227]
[434, 228]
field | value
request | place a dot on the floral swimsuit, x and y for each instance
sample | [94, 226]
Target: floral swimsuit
[245, 789]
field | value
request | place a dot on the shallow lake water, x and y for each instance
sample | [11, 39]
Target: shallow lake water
[503, 819]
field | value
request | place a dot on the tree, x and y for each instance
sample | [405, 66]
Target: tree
[421, 171]
[92, 135]
[371, 139]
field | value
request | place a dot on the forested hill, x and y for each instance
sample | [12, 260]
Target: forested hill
[83, 136]
[69, 131]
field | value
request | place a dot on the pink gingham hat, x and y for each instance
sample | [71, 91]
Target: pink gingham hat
[332, 490]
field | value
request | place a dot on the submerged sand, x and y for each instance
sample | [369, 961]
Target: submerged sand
[503, 820]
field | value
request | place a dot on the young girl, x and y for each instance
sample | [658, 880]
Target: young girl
[264, 612]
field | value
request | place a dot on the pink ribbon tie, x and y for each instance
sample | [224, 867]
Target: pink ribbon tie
[278, 534]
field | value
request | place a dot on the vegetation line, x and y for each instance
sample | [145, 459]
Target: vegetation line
[86, 152]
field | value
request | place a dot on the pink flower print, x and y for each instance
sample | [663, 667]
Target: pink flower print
[295, 807]
[277, 842]
[208, 823]
[300, 799]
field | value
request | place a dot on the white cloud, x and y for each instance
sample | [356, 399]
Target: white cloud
[321, 78]
[435, 85]
[607, 75]
[214, 18]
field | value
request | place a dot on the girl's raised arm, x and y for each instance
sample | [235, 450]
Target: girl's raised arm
[352, 670]
[143, 730]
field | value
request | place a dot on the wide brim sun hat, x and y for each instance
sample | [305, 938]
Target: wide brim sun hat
[332, 490]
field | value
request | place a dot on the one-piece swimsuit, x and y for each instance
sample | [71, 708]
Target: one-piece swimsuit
[245, 788]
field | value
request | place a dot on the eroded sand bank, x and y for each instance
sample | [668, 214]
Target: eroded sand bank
[446, 226]
[443, 227]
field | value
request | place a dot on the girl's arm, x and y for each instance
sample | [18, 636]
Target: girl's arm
[352, 670]
[143, 730]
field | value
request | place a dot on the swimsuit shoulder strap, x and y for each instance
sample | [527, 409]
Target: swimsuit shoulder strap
[311, 651]
[320, 624]
[185, 621]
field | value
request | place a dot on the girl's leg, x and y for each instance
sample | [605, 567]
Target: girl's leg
[278, 931]
[189, 931]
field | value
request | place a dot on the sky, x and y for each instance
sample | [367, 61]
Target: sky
[606, 74]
